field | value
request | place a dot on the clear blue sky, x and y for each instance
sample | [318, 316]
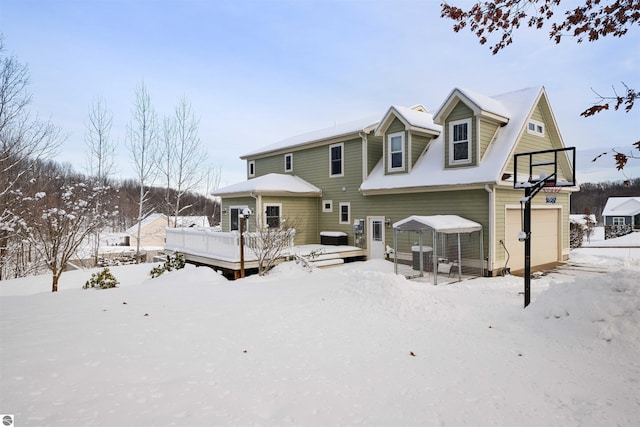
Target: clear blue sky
[257, 72]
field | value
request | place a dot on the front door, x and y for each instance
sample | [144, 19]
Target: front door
[375, 237]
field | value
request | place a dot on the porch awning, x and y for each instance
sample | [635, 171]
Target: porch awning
[448, 224]
[273, 184]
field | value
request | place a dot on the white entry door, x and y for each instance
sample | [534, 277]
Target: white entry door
[375, 237]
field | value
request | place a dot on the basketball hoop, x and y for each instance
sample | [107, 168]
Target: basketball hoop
[550, 194]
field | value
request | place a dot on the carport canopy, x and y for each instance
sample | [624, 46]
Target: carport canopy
[448, 224]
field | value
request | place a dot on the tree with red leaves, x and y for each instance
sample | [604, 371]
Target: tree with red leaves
[591, 21]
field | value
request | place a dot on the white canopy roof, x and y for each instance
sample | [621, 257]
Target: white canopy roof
[271, 184]
[441, 223]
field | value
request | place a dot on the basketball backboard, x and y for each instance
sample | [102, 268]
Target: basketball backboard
[546, 168]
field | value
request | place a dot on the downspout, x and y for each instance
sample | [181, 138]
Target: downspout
[492, 229]
[258, 212]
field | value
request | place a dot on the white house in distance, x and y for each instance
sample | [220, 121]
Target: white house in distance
[153, 229]
[622, 211]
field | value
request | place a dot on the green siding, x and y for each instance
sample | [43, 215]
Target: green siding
[470, 204]
[510, 196]
[418, 144]
[236, 201]
[487, 131]
[374, 151]
[461, 112]
[300, 213]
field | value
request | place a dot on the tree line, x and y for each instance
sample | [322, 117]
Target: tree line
[592, 197]
[49, 212]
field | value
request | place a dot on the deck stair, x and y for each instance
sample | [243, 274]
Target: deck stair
[326, 260]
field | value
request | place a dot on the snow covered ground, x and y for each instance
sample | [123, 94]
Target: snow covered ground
[353, 345]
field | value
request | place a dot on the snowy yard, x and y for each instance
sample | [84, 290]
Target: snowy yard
[353, 345]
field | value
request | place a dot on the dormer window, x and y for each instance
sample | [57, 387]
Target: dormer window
[460, 142]
[252, 168]
[535, 127]
[288, 162]
[395, 147]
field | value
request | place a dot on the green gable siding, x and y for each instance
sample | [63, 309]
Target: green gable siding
[487, 132]
[418, 145]
[395, 127]
[374, 151]
[461, 112]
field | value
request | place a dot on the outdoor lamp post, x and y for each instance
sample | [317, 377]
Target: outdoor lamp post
[246, 213]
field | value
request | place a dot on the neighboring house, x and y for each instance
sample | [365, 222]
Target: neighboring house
[153, 228]
[361, 177]
[622, 211]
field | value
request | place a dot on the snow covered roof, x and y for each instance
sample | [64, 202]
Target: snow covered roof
[622, 206]
[448, 224]
[353, 127]
[270, 184]
[429, 170]
[148, 220]
[479, 103]
[415, 118]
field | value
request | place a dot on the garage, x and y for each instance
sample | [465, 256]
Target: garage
[545, 237]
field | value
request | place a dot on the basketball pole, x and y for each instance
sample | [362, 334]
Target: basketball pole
[529, 194]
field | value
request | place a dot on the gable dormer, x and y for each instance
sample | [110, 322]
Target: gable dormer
[406, 134]
[471, 122]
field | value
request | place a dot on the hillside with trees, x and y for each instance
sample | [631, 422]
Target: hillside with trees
[592, 197]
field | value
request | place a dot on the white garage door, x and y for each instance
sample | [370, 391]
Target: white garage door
[545, 237]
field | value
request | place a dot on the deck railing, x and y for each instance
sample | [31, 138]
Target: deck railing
[221, 245]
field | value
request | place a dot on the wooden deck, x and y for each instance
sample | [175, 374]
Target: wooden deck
[321, 256]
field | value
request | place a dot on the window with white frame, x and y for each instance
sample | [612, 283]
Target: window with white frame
[272, 215]
[535, 127]
[336, 160]
[327, 206]
[345, 213]
[395, 148]
[288, 162]
[460, 141]
[618, 220]
[234, 217]
[252, 168]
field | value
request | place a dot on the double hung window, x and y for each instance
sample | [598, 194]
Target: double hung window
[395, 147]
[336, 160]
[460, 141]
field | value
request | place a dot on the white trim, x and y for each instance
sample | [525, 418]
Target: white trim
[614, 218]
[341, 145]
[469, 142]
[324, 206]
[365, 154]
[251, 168]
[390, 137]
[290, 156]
[538, 127]
[348, 205]
[370, 241]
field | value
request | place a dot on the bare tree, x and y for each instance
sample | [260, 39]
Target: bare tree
[100, 147]
[184, 157]
[57, 224]
[142, 142]
[100, 155]
[23, 140]
[588, 20]
[270, 242]
[214, 175]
